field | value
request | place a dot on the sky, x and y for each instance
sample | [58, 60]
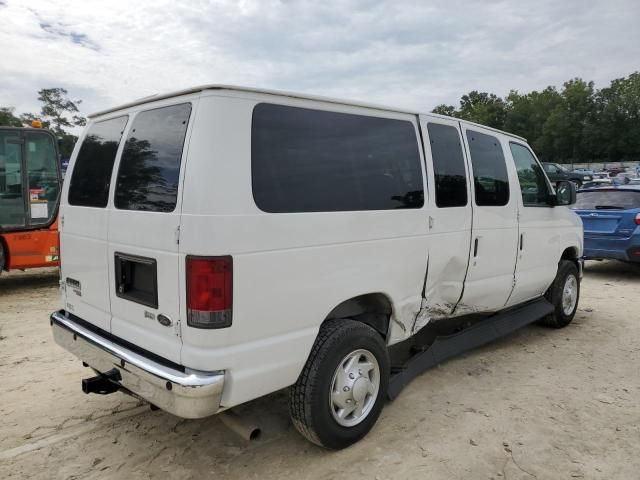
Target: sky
[412, 54]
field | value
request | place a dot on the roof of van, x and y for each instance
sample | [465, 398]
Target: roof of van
[281, 93]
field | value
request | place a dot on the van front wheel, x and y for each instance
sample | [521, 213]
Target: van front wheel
[563, 294]
[342, 388]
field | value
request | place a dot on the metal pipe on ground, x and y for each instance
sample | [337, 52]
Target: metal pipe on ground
[239, 425]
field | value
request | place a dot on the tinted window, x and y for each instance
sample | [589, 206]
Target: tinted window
[489, 169]
[312, 161]
[533, 184]
[607, 200]
[12, 201]
[42, 171]
[150, 165]
[448, 166]
[91, 176]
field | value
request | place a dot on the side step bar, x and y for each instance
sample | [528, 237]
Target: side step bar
[478, 334]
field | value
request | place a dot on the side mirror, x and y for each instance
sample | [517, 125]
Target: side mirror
[565, 194]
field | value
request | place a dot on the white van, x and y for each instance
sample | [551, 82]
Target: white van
[221, 243]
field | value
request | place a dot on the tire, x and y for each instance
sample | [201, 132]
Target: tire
[312, 397]
[565, 310]
[2, 257]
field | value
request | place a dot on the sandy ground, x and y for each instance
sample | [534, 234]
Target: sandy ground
[539, 404]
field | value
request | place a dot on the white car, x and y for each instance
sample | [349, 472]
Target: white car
[221, 243]
[625, 177]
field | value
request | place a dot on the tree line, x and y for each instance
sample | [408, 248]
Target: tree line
[576, 123]
[58, 113]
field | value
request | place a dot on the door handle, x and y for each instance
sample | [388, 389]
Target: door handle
[475, 247]
[430, 222]
[521, 241]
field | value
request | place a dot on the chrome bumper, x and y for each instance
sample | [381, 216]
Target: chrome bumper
[187, 394]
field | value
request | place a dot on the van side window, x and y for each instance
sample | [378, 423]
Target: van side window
[532, 180]
[150, 165]
[489, 170]
[306, 160]
[91, 175]
[448, 166]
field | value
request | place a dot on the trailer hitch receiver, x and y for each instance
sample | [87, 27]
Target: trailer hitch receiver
[102, 384]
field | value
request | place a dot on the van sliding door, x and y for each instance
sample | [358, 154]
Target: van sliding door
[449, 215]
[494, 240]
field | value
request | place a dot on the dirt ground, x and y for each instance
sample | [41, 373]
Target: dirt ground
[539, 404]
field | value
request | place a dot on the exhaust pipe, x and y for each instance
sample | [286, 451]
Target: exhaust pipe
[239, 425]
[102, 384]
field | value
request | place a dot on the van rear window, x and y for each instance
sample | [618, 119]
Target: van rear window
[150, 164]
[306, 160]
[91, 175]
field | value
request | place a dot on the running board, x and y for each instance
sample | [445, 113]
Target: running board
[445, 347]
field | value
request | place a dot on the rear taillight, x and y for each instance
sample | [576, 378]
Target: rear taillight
[637, 218]
[209, 291]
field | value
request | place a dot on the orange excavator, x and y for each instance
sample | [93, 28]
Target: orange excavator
[30, 184]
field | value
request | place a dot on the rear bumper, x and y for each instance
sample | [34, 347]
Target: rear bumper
[187, 394]
[626, 249]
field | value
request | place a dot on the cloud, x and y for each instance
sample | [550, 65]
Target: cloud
[413, 54]
[58, 30]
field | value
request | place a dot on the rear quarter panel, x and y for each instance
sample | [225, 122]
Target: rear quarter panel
[290, 270]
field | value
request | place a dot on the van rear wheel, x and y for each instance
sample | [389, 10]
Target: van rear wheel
[342, 388]
[563, 294]
[2, 257]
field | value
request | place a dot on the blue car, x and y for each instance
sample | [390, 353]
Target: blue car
[611, 219]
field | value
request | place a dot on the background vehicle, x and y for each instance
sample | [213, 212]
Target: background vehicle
[613, 171]
[557, 173]
[29, 198]
[611, 219]
[624, 178]
[583, 171]
[280, 240]
[597, 182]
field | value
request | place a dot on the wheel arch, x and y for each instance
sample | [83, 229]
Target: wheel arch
[373, 309]
[570, 253]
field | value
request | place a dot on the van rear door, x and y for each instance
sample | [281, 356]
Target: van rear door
[84, 222]
[144, 228]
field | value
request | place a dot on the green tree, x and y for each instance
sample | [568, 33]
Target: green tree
[484, 108]
[614, 131]
[448, 110]
[527, 114]
[58, 111]
[563, 136]
[8, 119]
